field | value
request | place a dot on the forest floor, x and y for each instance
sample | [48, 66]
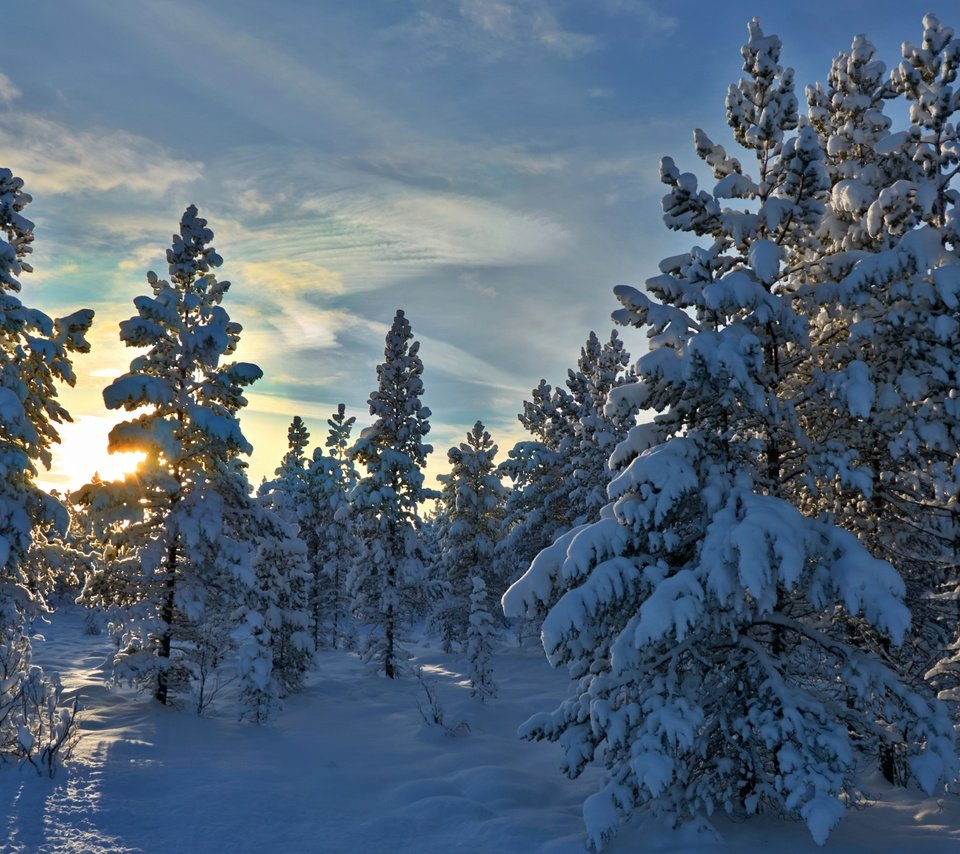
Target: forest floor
[350, 765]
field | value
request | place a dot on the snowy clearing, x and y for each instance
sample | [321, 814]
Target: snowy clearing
[350, 766]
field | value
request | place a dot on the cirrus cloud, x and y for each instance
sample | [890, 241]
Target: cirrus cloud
[55, 159]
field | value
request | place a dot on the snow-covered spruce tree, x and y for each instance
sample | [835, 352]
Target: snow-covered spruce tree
[535, 509]
[285, 492]
[179, 571]
[273, 633]
[481, 636]
[327, 527]
[35, 356]
[559, 477]
[298, 439]
[387, 499]
[886, 332]
[704, 619]
[597, 428]
[921, 389]
[472, 511]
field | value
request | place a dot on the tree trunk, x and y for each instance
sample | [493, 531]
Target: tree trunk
[166, 617]
[389, 631]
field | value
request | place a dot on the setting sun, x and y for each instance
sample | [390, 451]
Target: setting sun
[82, 452]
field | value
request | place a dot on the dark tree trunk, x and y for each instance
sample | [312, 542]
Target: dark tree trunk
[166, 618]
[389, 668]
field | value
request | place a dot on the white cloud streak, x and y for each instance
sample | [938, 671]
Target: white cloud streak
[491, 28]
[52, 158]
[643, 10]
[8, 91]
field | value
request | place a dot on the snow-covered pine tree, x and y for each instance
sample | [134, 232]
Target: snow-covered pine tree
[472, 501]
[917, 388]
[285, 492]
[559, 477]
[298, 439]
[597, 427]
[35, 356]
[327, 526]
[178, 569]
[847, 113]
[273, 635]
[388, 498]
[481, 636]
[537, 508]
[704, 619]
[886, 333]
[535, 511]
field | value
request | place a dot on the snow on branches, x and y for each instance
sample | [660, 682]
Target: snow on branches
[728, 632]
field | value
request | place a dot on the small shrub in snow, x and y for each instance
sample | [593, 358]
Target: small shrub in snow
[36, 726]
[433, 713]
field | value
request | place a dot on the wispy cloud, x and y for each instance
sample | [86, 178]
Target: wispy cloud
[471, 282]
[372, 229]
[525, 22]
[53, 158]
[493, 29]
[646, 12]
[8, 91]
[250, 202]
[282, 278]
[490, 29]
[450, 163]
[244, 68]
[291, 326]
[448, 359]
[453, 229]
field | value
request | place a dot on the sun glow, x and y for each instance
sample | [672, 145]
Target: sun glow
[82, 452]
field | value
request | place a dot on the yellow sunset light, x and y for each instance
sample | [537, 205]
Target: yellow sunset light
[82, 452]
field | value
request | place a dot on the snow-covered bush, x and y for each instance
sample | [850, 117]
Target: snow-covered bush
[434, 714]
[36, 726]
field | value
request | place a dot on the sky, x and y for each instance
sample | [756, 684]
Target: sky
[488, 166]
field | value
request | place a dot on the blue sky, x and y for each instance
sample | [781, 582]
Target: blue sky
[489, 166]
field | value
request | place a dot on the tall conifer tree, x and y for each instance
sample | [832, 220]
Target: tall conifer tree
[471, 516]
[705, 620]
[35, 356]
[328, 527]
[178, 569]
[388, 498]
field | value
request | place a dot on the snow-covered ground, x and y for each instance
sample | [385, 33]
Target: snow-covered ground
[350, 766]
